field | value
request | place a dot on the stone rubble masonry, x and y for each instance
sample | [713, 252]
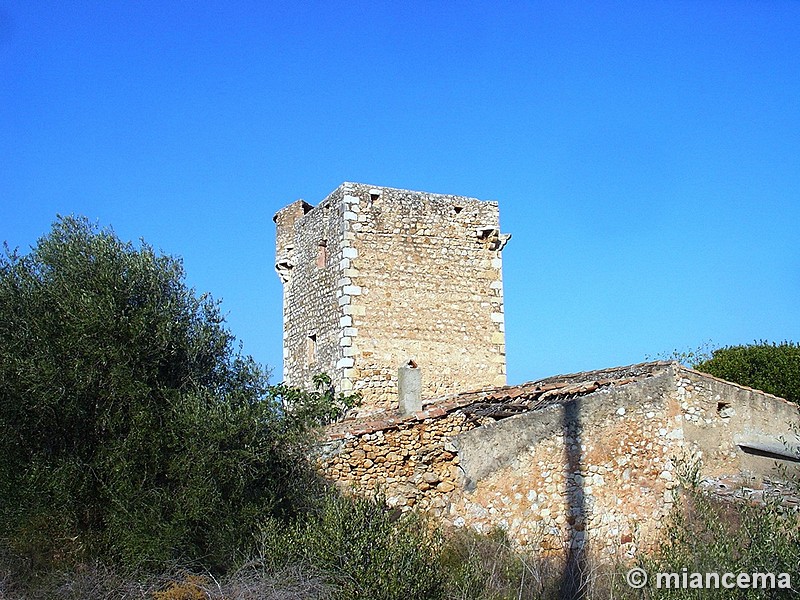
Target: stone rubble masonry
[598, 468]
[374, 277]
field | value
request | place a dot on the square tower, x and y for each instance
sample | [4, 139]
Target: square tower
[374, 277]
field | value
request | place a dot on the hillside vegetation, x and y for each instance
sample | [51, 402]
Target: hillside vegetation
[144, 457]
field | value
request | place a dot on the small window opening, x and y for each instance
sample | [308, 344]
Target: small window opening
[725, 410]
[458, 209]
[322, 254]
[284, 270]
[311, 349]
[486, 233]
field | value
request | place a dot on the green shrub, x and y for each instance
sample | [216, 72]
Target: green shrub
[706, 535]
[486, 567]
[368, 550]
[771, 367]
[132, 428]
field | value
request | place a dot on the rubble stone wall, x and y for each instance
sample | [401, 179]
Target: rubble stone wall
[598, 467]
[412, 465]
[309, 246]
[601, 469]
[597, 470]
[408, 276]
[738, 430]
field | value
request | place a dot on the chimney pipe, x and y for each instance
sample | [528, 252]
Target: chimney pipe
[409, 388]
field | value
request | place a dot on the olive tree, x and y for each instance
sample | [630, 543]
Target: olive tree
[132, 428]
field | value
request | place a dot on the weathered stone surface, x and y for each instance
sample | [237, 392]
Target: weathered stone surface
[404, 276]
[576, 471]
[374, 277]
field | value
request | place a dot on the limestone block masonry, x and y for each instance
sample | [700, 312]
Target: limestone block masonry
[374, 277]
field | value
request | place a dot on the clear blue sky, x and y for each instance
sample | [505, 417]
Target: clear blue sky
[646, 155]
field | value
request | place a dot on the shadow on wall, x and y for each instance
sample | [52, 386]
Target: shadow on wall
[574, 579]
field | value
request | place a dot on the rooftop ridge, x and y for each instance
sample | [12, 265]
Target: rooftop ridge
[504, 401]
[738, 385]
[346, 184]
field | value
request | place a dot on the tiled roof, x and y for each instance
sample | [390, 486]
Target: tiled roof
[505, 401]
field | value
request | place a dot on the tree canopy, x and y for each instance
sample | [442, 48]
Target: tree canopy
[767, 366]
[131, 426]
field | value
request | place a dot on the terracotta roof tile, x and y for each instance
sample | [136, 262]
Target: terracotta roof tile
[505, 401]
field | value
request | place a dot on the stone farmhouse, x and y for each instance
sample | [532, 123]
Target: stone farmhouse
[398, 295]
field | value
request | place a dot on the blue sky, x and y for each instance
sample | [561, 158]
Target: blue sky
[645, 155]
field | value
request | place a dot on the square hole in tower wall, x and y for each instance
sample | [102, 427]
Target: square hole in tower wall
[322, 254]
[311, 349]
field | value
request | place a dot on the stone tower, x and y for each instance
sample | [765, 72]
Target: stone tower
[375, 277]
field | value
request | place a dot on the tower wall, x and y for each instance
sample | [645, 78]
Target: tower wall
[409, 276]
[306, 260]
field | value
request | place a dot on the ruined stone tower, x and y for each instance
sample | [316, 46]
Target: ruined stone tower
[374, 277]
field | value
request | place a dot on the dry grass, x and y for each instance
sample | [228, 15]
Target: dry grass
[253, 581]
